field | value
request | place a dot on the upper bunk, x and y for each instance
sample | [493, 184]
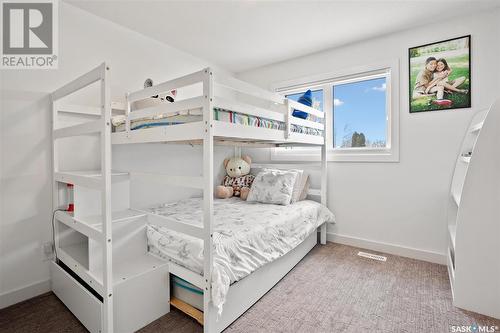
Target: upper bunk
[231, 111]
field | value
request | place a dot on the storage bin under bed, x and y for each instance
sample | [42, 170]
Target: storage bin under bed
[186, 292]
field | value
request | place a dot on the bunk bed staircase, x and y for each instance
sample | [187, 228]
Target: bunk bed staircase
[474, 217]
[102, 272]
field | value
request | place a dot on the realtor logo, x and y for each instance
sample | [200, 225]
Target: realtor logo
[29, 31]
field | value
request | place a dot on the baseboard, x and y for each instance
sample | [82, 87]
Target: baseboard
[15, 296]
[399, 250]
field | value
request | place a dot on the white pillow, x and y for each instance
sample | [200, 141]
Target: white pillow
[273, 186]
[305, 188]
[298, 186]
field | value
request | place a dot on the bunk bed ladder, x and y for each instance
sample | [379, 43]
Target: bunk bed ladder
[102, 126]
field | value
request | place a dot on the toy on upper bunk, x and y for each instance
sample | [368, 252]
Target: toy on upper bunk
[307, 100]
[238, 179]
[154, 100]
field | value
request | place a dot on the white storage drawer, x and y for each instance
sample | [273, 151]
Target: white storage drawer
[85, 306]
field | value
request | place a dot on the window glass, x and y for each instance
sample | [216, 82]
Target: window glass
[360, 114]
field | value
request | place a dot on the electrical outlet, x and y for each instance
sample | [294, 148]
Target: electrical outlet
[47, 251]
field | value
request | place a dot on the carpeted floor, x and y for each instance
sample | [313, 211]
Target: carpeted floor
[330, 290]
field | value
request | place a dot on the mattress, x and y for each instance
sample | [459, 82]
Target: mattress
[219, 114]
[246, 236]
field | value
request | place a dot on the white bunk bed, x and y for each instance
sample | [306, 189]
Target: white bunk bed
[102, 270]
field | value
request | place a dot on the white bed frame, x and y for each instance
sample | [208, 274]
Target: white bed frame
[102, 270]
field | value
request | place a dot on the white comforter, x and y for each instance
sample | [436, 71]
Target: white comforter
[246, 236]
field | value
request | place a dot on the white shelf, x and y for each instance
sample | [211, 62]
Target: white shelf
[473, 217]
[452, 229]
[475, 128]
[71, 256]
[451, 271]
[456, 198]
[465, 159]
[79, 252]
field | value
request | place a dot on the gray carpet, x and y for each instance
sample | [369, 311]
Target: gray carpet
[330, 290]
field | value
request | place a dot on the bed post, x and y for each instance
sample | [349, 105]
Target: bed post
[208, 197]
[127, 114]
[55, 168]
[107, 278]
[289, 111]
[324, 176]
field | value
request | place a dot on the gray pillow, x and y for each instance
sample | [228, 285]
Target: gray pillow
[273, 186]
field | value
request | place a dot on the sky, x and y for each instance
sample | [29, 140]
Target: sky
[358, 107]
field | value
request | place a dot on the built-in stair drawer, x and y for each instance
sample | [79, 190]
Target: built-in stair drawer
[85, 306]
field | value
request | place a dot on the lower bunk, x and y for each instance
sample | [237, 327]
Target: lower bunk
[255, 245]
[242, 294]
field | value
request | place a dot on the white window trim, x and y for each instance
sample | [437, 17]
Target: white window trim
[388, 154]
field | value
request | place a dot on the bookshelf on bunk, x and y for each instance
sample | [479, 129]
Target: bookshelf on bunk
[474, 217]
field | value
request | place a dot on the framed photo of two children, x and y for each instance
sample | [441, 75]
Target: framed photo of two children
[440, 75]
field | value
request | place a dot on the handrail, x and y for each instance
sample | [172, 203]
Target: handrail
[248, 109]
[81, 82]
[181, 227]
[167, 108]
[180, 82]
[305, 108]
[246, 88]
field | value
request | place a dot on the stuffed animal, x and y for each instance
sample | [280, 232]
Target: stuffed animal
[238, 180]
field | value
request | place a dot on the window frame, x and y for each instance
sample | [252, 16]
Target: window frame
[388, 69]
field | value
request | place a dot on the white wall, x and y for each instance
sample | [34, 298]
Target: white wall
[25, 120]
[402, 204]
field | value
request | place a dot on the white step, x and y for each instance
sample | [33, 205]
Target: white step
[88, 178]
[116, 217]
[131, 267]
[91, 226]
[79, 225]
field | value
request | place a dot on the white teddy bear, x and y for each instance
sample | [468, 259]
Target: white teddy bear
[238, 180]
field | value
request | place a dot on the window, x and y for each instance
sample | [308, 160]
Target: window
[360, 114]
[359, 105]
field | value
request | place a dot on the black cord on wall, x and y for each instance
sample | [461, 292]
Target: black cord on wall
[54, 231]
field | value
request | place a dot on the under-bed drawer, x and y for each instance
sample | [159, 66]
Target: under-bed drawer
[85, 306]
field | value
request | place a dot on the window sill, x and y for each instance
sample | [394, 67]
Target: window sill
[345, 155]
